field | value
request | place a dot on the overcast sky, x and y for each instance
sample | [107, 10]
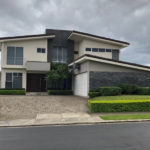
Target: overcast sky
[127, 20]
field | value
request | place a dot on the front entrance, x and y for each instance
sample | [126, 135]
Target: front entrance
[36, 83]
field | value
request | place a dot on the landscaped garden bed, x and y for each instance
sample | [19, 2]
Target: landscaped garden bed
[12, 92]
[123, 103]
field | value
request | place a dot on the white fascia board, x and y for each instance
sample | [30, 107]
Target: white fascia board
[99, 39]
[28, 38]
[86, 58]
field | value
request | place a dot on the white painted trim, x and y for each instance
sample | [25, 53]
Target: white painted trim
[98, 39]
[28, 38]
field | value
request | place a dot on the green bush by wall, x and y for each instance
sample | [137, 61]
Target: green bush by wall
[128, 88]
[143, 91]
[110, 91]
[119, 106]
[12, 92]
[93, 94]
[60, 92]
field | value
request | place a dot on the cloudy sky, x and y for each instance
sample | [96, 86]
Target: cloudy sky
[127, 20]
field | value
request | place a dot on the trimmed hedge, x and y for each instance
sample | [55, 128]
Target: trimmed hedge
[143, 91]
[12, 92]
[110, 91]
[120, 106]
[128, 88]
[60, 92]
[94, 94]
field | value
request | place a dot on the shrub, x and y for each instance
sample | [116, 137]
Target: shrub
[60, 92]
[119, 106]
[128, 88]
[12, 92]
[110, 91]
[143, 91]
[93, 94]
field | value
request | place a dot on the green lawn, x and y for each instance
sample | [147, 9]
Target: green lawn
[122, 97]
[125, 116]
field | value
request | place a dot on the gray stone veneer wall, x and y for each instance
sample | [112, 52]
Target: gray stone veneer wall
[98, 79]
[61, 39]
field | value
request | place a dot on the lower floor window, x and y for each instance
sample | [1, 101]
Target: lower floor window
[13, 80]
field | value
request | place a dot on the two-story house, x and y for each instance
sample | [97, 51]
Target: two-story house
[94, 59]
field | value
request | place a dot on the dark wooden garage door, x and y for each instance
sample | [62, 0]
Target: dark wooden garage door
[36, 82]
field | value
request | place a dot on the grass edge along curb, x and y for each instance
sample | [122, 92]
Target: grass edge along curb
[125, 116]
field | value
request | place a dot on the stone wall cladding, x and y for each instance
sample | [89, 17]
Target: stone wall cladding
[61, 39]
[98, 79]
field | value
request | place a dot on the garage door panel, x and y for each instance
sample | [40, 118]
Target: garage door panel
[81, 84]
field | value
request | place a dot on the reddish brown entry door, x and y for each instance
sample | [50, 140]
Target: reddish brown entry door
[36, 82]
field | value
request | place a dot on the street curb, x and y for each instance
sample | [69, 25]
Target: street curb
[77, 123]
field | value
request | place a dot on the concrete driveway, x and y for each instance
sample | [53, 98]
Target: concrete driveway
[26, 107]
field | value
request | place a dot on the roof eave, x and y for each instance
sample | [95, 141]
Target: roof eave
[86, 35]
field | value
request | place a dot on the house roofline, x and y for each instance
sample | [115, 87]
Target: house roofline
[110, 61]
[36, 36]
[99, 37]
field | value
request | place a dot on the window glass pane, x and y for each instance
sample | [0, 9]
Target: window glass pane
[88, 49]
[101, 50]
[54, 54]
[8, 85]
[8, 76]
[19, 51]
[10, 55]
[39, 50]
[43, 50]
[65, 55]
[60, 52]
[17, 82]
[19, 56]
[108, 50]
[94, 49]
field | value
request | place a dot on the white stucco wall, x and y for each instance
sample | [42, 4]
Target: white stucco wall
[86, 43]
[29, 51]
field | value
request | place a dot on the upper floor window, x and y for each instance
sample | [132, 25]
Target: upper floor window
[40, 50]
[88, 49]
[14, 55]
[108, 50]
[101, 49]
[59, 54]
[13, 80]
[94, 49]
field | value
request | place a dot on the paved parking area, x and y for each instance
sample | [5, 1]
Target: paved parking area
[25, 107]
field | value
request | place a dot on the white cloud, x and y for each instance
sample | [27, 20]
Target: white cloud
[123, 20]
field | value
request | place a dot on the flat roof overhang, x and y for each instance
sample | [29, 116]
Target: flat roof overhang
[79, 36]
[27, 37]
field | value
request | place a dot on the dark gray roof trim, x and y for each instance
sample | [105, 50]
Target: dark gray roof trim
[111, 60]
[109, 39]
[24, 36]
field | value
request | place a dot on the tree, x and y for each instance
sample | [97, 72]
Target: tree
[59, 72]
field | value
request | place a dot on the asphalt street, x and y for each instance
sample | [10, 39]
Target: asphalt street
[127, 136]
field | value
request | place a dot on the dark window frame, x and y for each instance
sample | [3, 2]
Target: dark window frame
[41, 50]
[102, 50]
[11, 81]
[15, 60]
[108, 50]
[95, 50]
[88, 49]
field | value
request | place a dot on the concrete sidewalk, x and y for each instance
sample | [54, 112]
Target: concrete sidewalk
[55, 119]
[63, 119]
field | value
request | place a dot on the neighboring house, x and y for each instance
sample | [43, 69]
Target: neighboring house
[95, 60]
